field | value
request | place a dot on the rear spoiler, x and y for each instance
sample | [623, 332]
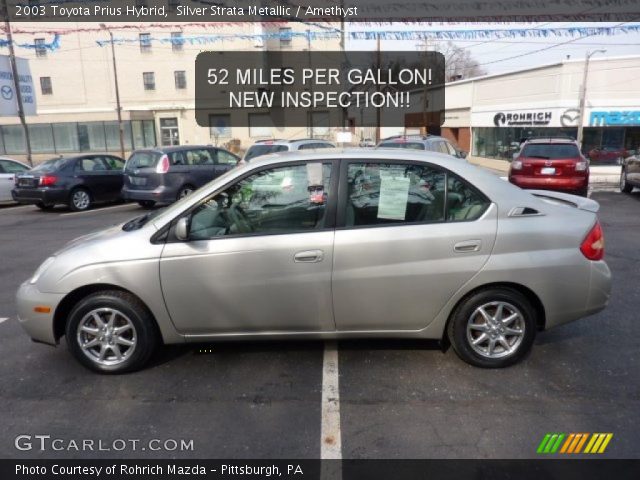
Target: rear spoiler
[576, 201]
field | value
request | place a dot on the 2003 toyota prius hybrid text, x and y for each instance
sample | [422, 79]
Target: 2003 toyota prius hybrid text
[328, 244]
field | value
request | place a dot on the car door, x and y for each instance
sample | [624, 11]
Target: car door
[8, 171]
[224, 161]
[201, 165]
[632, 168]
[87, 172]
[112, 176]
[408, 236]
[259, 255]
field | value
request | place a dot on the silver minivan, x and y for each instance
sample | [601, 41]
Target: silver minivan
[328, 244]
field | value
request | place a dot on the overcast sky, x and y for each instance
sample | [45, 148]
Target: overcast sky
[495, 54]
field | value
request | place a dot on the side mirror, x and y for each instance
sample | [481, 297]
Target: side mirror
[515, 155]
[463, 154]
[182, 229]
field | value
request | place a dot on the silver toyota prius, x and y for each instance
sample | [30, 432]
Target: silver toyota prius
[328, 244]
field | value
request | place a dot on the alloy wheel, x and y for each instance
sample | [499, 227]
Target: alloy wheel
[495, 329]
[81, 199]
[106, 336]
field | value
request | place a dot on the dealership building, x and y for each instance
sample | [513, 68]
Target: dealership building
[490, 115]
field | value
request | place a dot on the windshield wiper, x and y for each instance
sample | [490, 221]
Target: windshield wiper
[136, 223]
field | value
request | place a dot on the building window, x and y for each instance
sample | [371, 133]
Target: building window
[220, 125]
[285, 36]
[169, 134]
[45, 86]
[260, 125]
[41, 49]
[181, 79]
[145, 42]
[149, 79]
[176, 41]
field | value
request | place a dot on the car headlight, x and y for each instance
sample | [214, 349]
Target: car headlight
[41, 269]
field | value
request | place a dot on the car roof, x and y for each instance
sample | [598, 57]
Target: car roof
[174, 148]
[293, 141]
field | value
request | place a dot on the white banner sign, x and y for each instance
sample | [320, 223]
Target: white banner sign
[8, 99]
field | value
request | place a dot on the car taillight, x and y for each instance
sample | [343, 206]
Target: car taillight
[48, 180]
[593, 245]
[163, 165]
[581, 166]
[516, 165]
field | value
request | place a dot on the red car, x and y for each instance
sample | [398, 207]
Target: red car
[550, 164]
[611, 155]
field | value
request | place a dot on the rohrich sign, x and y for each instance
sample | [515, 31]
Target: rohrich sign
[615, 118]
[523, 119]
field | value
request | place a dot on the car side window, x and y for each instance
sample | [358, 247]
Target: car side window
[177, 158]
[7, 166]
[464, 203]
[114, 163]
[380, 193]
[200, 156]
[225, 158]
[276, 200]
[450, 149]
[90, 164]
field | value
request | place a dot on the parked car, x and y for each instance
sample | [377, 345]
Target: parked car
[264, 147]
[611, 155]
[550, 163]
[9, 168]
[430, 143]
[630, 173]
[78, 181]
[367, 143]
[329, 244]
[164, 175]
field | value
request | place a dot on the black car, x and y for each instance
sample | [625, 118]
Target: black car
[163, 175]
[78, 181]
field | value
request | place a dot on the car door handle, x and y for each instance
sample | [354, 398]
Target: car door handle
[309, 256]
[468, 246]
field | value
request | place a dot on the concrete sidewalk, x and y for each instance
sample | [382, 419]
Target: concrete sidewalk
[600, 174]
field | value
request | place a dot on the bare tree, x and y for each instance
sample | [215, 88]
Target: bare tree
[459, 64]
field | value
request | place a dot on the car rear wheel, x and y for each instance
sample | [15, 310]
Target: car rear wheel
[185, 191]
[146, 203]
[493, 328]
[624, 185]
[111, 332]
[45, 206]
[79, 200]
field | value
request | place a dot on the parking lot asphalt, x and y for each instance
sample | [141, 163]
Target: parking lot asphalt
[397, 399]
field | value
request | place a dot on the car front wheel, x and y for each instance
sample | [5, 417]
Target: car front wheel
[80, 200]
[624, 185]
[493, 328]
[111, 332]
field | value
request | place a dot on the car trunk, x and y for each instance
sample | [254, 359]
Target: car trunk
[545, 167]
[140, 171]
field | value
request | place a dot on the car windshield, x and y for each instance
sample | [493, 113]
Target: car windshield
[550, 151]
[263, 149]
[409, 145]
[145, 159]
[49, 165]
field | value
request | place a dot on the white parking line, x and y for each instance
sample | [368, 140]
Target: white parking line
[98, 209]
[330, 437]
[3, 319]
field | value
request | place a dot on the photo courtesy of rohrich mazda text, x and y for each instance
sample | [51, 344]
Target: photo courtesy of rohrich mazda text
[325, 240]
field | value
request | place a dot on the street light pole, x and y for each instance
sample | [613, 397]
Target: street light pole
[115, 76]
[583, 95]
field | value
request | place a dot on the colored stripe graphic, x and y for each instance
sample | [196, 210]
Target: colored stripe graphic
[573, 443]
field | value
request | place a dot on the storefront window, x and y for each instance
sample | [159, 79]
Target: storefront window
[502, 143]
[66, 137]
[13, 139]
[112, 131]
[91, 137]
[41, 137]
[149, 133]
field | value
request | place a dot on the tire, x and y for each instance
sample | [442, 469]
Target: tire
[79, 199]
[135, 343]
[147, 204]
[45, 206]
[184, 191]
[583, 192]
[624, 185]
[467, 313]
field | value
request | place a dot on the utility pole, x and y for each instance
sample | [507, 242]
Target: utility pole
[378, 112]
[425, 93]
[583, 95]
[16, 81]
[115, 76]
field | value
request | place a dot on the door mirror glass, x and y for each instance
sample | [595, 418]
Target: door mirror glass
[182, 229]
[463, 154]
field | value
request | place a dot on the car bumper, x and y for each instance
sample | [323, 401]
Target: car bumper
[38, 325]
[39, 195]
[159, 194]
[550, 183]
